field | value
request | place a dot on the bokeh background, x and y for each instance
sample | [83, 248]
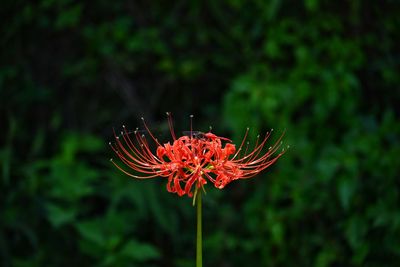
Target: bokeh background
[326, 71]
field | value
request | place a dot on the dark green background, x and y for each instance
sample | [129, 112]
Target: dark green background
[326, 71]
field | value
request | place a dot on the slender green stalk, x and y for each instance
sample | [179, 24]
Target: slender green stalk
[199, 243]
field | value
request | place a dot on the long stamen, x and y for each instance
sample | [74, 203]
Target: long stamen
[241, 145]
[191, 126]
[171, 125]
[131, 175]
[150, 133]
[136, 153]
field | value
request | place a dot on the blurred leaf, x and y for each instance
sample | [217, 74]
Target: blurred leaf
[69, 17]
[346, 190]
[92, 231]
[139, 251]
[59, 216]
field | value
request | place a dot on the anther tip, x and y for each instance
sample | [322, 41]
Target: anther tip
[142, 118]
[168, 113]
[109, 143]
[191, 116]
[111, 159]
[123, 126]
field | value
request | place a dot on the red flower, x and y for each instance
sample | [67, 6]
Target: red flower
[193, 159]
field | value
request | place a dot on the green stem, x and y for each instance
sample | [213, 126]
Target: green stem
[199, 243]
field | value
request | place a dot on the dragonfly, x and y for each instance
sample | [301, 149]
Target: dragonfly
[194, 134]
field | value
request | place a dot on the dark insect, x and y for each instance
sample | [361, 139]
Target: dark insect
[194, 134]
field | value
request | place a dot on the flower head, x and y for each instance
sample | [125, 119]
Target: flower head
[193, 159]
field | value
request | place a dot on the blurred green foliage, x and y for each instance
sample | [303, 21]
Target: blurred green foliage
[326, 71]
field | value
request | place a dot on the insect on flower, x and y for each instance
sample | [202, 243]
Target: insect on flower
[195, 158]
[194, 134]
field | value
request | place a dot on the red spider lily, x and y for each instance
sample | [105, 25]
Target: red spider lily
[193, 159]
